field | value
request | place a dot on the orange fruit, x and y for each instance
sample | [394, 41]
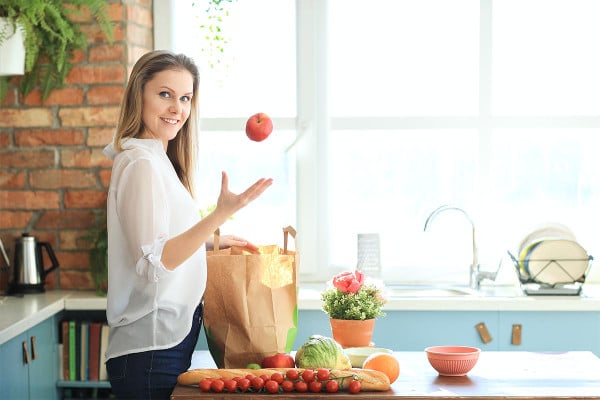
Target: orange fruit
[383, 362]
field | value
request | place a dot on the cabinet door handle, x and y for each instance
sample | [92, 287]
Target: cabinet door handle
[25, 353]
[516, 334]
[484, 334]
[33, 348]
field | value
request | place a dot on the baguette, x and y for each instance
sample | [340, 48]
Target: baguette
[370, 380]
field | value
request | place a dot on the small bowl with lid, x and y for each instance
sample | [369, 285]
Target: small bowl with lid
[452, 360]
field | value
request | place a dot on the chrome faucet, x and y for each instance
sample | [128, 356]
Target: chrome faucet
[475, 274]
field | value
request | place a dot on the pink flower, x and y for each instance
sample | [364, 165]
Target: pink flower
[349, 282]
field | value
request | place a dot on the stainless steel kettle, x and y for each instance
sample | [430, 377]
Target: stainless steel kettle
[29, 273]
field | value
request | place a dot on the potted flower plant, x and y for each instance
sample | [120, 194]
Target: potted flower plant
[353, 303]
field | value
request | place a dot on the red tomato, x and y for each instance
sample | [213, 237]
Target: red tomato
[287, 386]
[258, 383]
[292, 374]
[301, 386]
[315, 386]
[250, 377]
[277, 377]
[323, 374]
[265, 377]
[271, 386]
[204, 384]
[308, 375]
[244, 384]
[230, 385]
[217, 386]
[332, 386]
[354, 387]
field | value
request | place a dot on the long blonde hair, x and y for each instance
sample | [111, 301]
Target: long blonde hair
[182, 149]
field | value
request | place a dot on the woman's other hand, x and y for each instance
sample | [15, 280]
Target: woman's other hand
[227, 241]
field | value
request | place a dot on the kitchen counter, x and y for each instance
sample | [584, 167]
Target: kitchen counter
[17, 314]
[497, 375]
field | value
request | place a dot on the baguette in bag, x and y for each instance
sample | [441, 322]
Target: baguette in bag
[370, 380]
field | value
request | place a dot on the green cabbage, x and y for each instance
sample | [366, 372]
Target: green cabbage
[322, 352]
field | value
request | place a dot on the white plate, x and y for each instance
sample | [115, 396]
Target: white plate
[556, 261]
[548, 231]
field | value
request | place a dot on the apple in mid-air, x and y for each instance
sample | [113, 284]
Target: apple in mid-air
[259, 127]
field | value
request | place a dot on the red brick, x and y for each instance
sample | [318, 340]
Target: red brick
[14, 180]
[69, 219]
[58, 97]
[105, 177]
[28, 200]
[107, 52]
[112, 73]
[25, 117]
[47, 137]
[26, 158]
[73, 259]
[138, 35]
[139, 15]
[75, 280]
[15, 219]
[78, 57]
[115, 12]
[4, 139]
[74, 239]
[105, 95]
[85, 199]
[89, 116]
[100, 136]
[84, 158]
[57, 178]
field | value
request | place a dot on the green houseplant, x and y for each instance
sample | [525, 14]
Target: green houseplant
[51, 37]
[97, 238]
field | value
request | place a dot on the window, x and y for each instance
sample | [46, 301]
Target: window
[386, 111]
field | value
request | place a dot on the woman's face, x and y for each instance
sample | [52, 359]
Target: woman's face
[167, 100]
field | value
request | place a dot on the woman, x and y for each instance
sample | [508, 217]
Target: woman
[156, 251]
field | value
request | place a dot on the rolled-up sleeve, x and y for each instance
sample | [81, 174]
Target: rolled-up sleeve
[142, 209]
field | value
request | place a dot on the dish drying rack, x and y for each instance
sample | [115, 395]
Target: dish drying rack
[531, 286]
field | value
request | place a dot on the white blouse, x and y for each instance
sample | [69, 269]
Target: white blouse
[149, 307]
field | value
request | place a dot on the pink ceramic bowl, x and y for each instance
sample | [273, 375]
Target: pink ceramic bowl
[452, 360]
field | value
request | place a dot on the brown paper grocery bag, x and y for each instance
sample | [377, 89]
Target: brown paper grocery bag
[251, 303]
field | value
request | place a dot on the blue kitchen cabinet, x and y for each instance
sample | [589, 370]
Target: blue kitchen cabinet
[551, 330]
[416, 330]
[405, 330]
[29, 367]
[14, 372]
[412, 330]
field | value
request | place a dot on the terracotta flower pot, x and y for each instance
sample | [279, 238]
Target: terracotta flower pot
[352, 333]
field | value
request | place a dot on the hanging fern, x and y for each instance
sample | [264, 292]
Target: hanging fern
[51, 38]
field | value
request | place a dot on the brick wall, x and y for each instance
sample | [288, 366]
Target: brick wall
[53, 175]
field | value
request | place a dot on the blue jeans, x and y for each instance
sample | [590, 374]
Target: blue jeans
[153, 374]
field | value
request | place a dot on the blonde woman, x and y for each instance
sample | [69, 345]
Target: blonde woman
[156, 238]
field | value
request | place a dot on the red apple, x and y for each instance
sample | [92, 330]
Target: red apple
[279, 360]
[259, 127]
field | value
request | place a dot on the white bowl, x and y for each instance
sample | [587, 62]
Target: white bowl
[358, 355]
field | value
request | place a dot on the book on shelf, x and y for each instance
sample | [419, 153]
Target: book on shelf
[82, 348]
[83, 356]
[94, 351]
[72, 353]
[64, 354]
[103, 346]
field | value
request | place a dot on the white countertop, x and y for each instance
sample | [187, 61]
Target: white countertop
[18, 314]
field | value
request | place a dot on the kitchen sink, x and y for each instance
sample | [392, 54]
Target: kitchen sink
[417, 290]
